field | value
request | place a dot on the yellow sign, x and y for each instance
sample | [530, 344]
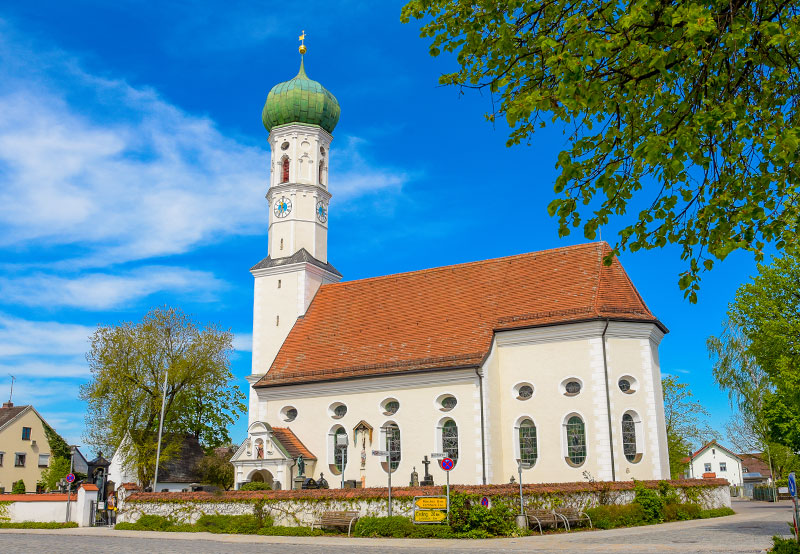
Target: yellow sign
[431, 502]
[429, 516]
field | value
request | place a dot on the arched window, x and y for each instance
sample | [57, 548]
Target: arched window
[321, 166]
[392, 434]
[629, 437]
[576, 440]
[340, 449]
[450, 439]
[285, 170]
[528, 450]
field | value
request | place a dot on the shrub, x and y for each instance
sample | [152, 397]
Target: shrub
[395, 526]
[784, 546]
[681, 512]
[613, 515]
[255, 486]
[18, 487]
[716, 512]
[154, 523]
[243, 525]
[38, 525]
[651, 502]
[290, 531]
[466, 516]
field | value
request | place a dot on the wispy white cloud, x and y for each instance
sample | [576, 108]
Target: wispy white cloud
[243, 342]
[352, 175]
[55, 367]
[46, 338]
[102, 291]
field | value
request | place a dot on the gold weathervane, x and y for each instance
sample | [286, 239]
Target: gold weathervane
[302, 39]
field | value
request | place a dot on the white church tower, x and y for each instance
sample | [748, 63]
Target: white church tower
[300, 116]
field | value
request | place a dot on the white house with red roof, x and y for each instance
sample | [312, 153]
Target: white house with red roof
[713, 461]
[549, 358]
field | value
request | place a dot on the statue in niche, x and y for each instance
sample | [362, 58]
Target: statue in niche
[260, 450]
[301, 466]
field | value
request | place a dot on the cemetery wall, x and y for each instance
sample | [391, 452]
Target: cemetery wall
[302, 508]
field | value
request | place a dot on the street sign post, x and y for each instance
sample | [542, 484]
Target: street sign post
[793, 492]
[438, 455]
[70, 478]
[447, 464]
[430, 509]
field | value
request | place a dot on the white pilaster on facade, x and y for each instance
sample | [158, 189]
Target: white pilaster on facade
[598, 442]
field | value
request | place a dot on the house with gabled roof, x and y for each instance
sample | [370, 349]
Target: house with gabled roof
[546, 360]
[24, 448]
[712, 461]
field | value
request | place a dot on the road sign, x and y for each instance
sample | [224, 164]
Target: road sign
[792, 485]
[429, 516]
[438, 455]
[447, 464]
[430, 502]
[380, 453]
[486, 502]
[71, 478]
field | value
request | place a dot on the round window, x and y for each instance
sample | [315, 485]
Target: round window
[449, 402]
[573, 387]
[624, 385]
[340, 410]
[525, 392]
[391, 407]
[289, 413]
[285, 146]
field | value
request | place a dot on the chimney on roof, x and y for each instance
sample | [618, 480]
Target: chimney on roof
[8, 404]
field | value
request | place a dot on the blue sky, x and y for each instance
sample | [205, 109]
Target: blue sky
[133, 171]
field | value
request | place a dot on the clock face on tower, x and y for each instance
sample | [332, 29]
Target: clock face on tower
[283, 207]
[322, 211]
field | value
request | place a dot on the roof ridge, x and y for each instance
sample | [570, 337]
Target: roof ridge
[465, 264]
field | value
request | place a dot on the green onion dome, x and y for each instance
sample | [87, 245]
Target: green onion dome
[300, 100]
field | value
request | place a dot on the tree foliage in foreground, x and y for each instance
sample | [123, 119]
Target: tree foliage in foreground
[685, 107]
[216, 468]
[128, 362]
[766, 313]
[686, 427]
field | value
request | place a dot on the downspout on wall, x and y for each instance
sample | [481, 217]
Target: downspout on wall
[483, 433]
[608, 403]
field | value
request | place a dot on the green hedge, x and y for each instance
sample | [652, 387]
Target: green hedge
[38, 525]
[784, 546]
[614, 515]
[402, 527]
[280, 531]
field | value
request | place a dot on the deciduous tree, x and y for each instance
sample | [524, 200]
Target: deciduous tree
[129, 361]
[684, 110]
[685, 423]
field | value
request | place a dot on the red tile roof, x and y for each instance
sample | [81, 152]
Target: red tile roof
[754, 463]
[291, 443]
[445, 317]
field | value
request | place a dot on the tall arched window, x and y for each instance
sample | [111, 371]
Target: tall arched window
[321, 181]
[528, 450]
[629, 437]
[450, 439]
[576, 440]
[285, 170]
[393, 444]
[340, 449]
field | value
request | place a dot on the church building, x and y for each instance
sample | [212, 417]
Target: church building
[548, 360]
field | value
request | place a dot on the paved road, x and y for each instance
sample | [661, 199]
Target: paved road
[750, 530]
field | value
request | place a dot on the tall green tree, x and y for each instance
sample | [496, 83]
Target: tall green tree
[766, 312]
[128, 363]
[685, 108]
[686, 427]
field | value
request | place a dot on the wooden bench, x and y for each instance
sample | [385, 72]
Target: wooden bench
[338, 519]
[572, 516]
[544, 518]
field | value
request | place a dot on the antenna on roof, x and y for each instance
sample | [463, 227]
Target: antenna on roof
[12, 387]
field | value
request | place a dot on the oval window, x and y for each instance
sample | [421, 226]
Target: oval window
[285, 146]
[624, 385]
[449, 402]
[340, 410]
[391, 407]
[573, 388]
[525, 392]
[289, 413]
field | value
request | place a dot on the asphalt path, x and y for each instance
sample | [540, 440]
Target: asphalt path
[750, 530]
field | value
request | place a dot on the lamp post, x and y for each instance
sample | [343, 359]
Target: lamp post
[160, 428]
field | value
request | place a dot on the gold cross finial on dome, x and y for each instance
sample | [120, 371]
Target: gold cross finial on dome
[302, 39]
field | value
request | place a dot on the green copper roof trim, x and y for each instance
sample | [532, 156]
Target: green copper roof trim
[300, 100]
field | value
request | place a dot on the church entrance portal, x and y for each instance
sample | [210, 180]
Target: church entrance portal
[261, 476]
